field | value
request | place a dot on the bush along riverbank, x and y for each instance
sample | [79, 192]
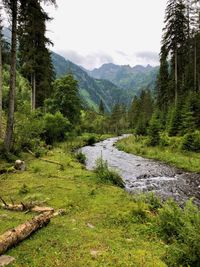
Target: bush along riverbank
[171, 150]
[102, 224]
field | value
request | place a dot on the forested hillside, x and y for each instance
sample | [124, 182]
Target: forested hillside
[91, 90]
[121, 83]
[71, 193]
[133, 79]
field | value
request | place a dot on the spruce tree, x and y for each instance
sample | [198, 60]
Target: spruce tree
[35, 58]
[1, 78]
[101, 107]
[12, 7]
[162, 87]
[133, 113]
[174, 41]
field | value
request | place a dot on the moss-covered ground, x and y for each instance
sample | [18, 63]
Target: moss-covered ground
[102, 225]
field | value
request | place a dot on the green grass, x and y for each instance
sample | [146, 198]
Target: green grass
[188, 161]
[101, 225]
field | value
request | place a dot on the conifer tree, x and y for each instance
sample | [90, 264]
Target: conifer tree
[174, 41]
[163, 95]
[101, 107]
[133, 114]
[1, 79]
[35, 58]
[12, 7]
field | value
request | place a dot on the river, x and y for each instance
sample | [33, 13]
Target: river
[145, 175]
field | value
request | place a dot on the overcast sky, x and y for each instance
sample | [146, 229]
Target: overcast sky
[93, 32]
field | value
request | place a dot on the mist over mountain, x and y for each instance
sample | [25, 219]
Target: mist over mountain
[131, 78]
[91, 90]
[111, 83]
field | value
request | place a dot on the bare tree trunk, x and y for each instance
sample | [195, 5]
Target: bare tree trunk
[33, 103]
[1, 88]
[195, 64]
[11, 107]
[176, 77]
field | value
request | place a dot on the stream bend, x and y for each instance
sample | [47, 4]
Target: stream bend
[144, 175]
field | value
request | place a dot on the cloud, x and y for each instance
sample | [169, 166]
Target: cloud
[89, 61]
[147, 56]
[95, 59]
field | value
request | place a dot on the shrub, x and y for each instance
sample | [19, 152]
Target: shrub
[164, 139]
[55, 127]
[81, 157]
[170, 220]
[28, 130]
[140, 211]
[191, 141]
[106, 175]
[185, 250]
[153, 201]
[91, 140]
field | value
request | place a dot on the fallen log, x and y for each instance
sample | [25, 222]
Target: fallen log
[46, 160]
[12, 237]
[25, 207]
[6, 260]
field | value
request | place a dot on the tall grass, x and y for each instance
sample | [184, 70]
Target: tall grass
[104, 174]
[169, 153]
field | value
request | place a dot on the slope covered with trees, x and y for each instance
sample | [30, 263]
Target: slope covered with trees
[44, 120]
[176, 106]
[91, 90]
[132, 79]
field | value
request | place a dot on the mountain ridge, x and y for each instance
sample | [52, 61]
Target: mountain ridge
[91, 90]
[130, 78]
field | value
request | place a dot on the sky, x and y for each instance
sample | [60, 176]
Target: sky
[93, 32]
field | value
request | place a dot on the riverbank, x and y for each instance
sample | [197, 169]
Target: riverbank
[171, 154]
[102, 226]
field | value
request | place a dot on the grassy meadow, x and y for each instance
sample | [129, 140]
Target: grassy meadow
[103, 225]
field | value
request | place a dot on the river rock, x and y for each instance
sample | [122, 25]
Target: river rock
[20, 165]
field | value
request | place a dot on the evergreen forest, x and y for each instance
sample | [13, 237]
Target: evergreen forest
[54, 210]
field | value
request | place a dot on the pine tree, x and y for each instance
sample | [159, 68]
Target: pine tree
[133, 114]
[118, 119]
[141, 111]
[174, 41]
[101, 107]
[12, 7]
[1, 73]
[35, 58]
[154, 129]
[163, 95]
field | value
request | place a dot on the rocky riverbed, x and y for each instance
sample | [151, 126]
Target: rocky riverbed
[145, 175]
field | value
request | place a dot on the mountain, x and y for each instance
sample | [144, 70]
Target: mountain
[91, 90]
[132, 79]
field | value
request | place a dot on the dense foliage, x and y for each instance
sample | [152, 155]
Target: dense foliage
[34, 57]
[42, 111]
[176, 108]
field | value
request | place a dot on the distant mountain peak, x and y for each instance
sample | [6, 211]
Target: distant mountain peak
[91, 90]
[127, 77]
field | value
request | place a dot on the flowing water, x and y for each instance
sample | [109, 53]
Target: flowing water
[144, 175]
